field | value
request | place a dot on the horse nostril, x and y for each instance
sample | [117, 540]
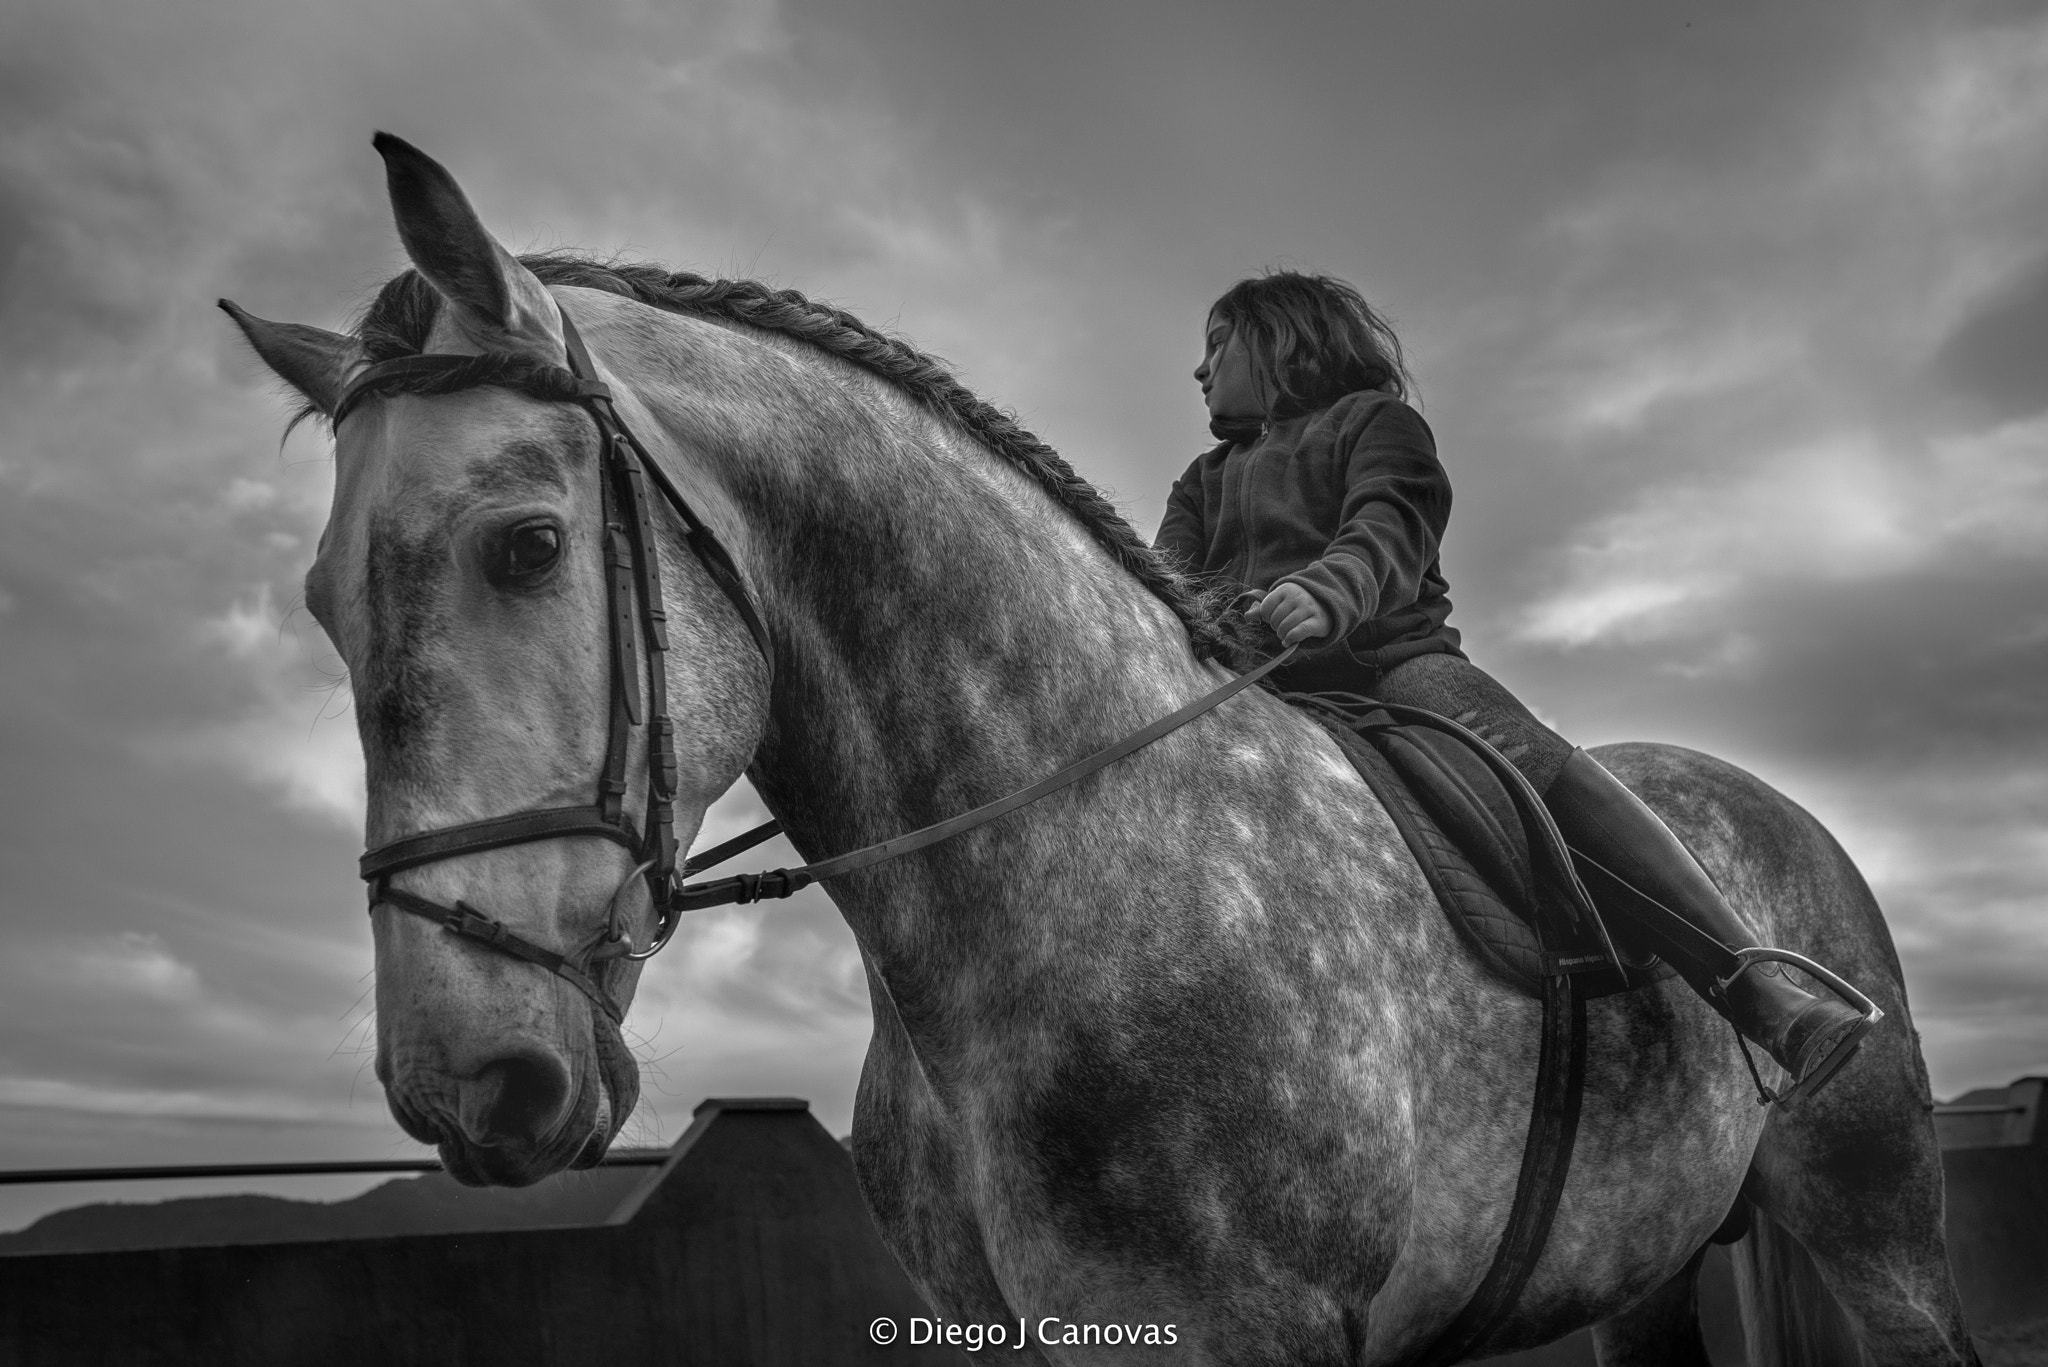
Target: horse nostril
[516, 1099]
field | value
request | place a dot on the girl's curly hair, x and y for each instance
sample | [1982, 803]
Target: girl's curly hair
[1313, 339]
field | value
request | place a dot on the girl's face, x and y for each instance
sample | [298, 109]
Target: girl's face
[1225, 374]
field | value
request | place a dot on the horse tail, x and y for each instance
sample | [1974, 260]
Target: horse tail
[1789, 1317]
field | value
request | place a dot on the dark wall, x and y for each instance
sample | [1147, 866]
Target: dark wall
[1998, 1231]
[751, 1247]
[1997, 1243]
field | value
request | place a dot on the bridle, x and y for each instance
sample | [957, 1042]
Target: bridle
[634, 611]
[632, 576]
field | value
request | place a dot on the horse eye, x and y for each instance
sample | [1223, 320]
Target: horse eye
[528, 550]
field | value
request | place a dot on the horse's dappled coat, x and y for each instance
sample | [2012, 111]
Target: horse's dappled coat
[1188, 1043]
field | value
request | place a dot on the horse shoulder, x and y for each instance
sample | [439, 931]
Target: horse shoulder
[911, 1166]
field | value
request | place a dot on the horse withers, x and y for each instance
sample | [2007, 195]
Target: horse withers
[1187, 1044]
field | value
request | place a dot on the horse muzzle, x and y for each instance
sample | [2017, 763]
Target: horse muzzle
[521, 1116]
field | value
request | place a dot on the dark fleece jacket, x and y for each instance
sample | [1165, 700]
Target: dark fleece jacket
[1350, 503]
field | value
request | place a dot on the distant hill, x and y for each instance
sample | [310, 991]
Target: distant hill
[431, 1204]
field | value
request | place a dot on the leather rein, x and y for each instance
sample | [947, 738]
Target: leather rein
[633, 612]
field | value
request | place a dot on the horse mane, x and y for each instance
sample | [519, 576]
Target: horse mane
[401, 317]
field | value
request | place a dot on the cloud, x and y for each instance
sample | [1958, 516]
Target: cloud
[1995, 354]
[310, 759]
[244, 494]
[1674, 561]
[168, 1030]
[291, 738]
[1746, 376]
[158, 1103]
[134, 962]
[1691, 561]
[1627, 605]
[1634, 364]
[1983, 98]
[246, 627]
[1707, 312]
[1958, 861]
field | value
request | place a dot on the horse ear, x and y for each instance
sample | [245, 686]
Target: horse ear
[498, 303]
[312, 360]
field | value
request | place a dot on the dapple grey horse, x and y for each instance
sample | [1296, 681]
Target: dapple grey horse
[1186, 1047]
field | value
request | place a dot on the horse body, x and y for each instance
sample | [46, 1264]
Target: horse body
[1200, 1008]
[1201, 1005]
[1187, 1044]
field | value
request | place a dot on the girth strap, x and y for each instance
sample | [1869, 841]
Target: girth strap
[1561, 1053]
[1539, 1187]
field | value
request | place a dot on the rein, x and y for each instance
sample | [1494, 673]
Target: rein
[755, 887]
[634, 609]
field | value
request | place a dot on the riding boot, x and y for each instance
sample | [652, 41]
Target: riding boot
[1678, 914]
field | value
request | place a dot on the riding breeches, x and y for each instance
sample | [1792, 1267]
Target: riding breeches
[1456, 688]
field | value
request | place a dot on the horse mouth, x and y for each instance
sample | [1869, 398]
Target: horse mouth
[491, 1131]
[476, 1164]
[518, 1159]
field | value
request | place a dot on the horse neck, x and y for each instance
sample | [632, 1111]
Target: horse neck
[946, 632]
[953, 635]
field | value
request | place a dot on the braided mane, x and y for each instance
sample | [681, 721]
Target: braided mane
[398, 322]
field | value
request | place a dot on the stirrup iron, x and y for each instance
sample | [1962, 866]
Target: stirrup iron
[1871, 1014]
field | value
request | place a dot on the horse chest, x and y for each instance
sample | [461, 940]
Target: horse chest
[1116, 1184]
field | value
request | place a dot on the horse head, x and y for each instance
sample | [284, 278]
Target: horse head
[463, 576]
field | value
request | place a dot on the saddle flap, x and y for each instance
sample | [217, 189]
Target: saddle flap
[1468, 803]
[1497, 867]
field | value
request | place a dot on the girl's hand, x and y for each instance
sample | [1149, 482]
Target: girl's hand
[1293, 613]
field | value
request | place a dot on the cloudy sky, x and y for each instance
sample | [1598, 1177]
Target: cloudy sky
[1731, 320]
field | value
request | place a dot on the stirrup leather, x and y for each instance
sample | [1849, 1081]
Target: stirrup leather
[1828, 1066]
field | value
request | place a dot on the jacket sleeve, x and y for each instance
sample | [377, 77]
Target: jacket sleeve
[1396, 503]
[1182, 532]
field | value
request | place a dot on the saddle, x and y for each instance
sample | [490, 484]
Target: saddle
[1504, 877]
[1485, 843]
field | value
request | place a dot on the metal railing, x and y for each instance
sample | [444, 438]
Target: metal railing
[168, 1172]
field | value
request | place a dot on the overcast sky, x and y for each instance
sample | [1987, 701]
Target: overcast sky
[1731, 320]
